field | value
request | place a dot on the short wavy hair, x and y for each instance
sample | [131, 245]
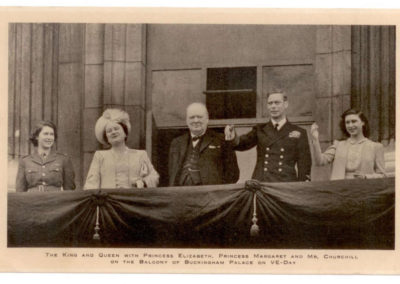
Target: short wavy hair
[278, 91]
[38, 128]
[361, 115]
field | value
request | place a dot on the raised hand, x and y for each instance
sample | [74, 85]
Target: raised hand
[314, 131]
[140, 184]
[229, 132]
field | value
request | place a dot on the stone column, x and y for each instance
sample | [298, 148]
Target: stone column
[70, 93]
[124, 75]
[115, 61]
[333, 84]
[93, 99]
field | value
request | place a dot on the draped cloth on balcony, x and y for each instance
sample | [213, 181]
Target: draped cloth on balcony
[342, 214]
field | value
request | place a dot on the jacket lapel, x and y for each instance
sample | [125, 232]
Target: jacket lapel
[268, 129]
[182, 149]
[36, 158]
[52, 156]
[133, 163]
[273, 135]
[205, 141]
[108, 170]
[339, 163]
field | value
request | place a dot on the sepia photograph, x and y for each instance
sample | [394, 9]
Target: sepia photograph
[201, 143]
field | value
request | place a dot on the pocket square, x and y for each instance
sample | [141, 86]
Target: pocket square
[214, 147]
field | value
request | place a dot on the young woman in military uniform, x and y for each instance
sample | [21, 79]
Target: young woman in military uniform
[45, 169]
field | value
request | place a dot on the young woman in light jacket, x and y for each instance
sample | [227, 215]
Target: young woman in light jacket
[120, 166]
[355, 157]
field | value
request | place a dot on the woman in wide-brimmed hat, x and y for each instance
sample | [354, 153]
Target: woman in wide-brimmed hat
[118, 167]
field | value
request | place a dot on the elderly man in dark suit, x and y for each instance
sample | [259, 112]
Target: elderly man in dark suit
[281, 146]
[201, 156]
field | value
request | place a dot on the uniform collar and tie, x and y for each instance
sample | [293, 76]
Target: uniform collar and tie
[278, 125]
[39, 159]
[44, 156]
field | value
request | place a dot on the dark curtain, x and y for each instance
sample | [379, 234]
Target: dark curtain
[351, 214]
[373, 83]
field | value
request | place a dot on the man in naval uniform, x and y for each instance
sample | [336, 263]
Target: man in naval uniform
[201, 156]
[281, 146]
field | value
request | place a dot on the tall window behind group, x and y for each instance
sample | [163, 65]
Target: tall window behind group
[231, 92]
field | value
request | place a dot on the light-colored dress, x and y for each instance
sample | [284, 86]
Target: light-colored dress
[109, 171]
[349, 158]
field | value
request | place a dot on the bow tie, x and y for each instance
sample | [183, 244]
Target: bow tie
[196, 138]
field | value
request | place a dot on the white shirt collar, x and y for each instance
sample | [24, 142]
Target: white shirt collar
[194, 143]
[280, 123]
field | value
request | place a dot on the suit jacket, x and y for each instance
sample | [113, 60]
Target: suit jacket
[52, 174]
[102, 170]
[278, 152]
[217, 160]
[372, 163]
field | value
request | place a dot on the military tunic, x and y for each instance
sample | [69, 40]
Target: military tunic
[279, 152]
[49, 174]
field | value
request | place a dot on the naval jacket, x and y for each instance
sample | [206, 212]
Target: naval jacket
[282, 155]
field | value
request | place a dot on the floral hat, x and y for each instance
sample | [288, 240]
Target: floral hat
[114, 115]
